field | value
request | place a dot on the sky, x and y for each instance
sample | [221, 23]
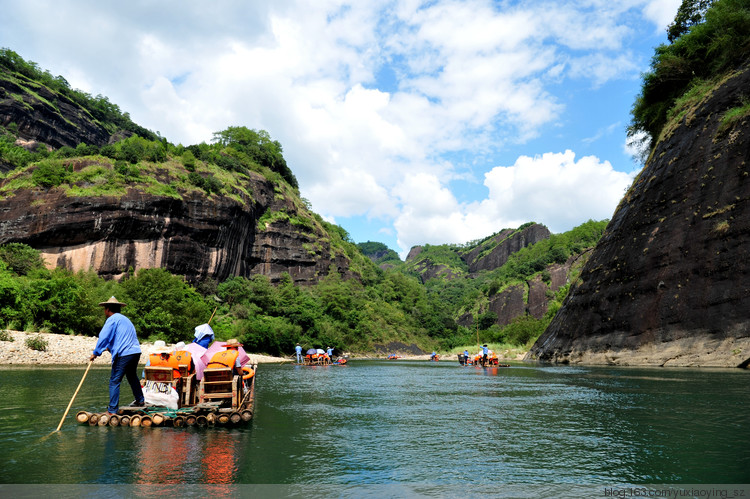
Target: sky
[407, 122]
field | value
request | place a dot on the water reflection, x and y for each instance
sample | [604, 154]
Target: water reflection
[220, 455]
[179, 455]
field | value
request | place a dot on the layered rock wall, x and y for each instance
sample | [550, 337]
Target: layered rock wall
[195, 235]
[495, 252]
[669, 282]
[46, 116]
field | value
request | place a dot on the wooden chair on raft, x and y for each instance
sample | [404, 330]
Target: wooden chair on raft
[222, 385]
[185, 384]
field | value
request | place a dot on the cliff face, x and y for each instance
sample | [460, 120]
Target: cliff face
[45, 116]
[668, 282]
[194, 235]
[157, 218]
[495, 252]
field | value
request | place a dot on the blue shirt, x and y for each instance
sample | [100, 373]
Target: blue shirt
[204, 341]
[329, 352]
[298, 349]
[118, 336]
[484, 350]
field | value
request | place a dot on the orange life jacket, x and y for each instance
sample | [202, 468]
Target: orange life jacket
[156, 360]
[225, 358]
[184, 358]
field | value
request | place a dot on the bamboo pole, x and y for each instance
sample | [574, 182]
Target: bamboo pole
[212, 315]
[74, 395]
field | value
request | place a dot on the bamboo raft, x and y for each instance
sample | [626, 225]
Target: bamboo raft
[476, 361]
[220, 399]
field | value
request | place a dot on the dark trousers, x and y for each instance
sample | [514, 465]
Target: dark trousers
[124, 367]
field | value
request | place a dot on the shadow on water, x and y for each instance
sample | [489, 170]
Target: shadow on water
[404, 422]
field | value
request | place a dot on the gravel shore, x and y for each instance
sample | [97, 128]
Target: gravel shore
[63, 349]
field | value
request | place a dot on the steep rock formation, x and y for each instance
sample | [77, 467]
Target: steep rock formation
[414, 253]
[194, 235]
[428, 270]
[494, 252]
[531, 298]
[46, 116]
[668, 282]
[509, 304]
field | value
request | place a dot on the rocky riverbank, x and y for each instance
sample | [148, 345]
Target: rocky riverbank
[64, 349]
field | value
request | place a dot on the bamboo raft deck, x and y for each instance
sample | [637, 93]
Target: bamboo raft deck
[209, 410]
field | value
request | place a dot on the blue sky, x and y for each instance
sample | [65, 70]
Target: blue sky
[406, 122]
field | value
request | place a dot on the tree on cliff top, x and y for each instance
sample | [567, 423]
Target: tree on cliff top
[690, 13]
[701, 50]
[257, 144]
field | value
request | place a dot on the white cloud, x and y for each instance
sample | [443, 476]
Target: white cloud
[661, 12]
[554, 189]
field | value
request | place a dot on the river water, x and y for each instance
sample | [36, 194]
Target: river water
[400, 422]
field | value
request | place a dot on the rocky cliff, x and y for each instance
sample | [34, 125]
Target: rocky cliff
[188, 233]
[41, 115]
[668, 283]
[114, 215]
[494, 252]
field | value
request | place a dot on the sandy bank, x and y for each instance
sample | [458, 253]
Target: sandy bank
[71, 350]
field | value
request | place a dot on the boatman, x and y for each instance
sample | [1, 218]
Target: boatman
[329, 352]
[484, 354]
[119, 337]
[298, 349]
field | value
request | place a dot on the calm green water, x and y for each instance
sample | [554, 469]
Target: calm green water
[386, 422]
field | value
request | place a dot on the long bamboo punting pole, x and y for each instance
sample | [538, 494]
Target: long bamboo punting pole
[212, 315]
[74, 395]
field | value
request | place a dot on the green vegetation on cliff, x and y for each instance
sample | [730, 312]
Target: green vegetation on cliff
[379, 253]
[27, 74]
[709, 39]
